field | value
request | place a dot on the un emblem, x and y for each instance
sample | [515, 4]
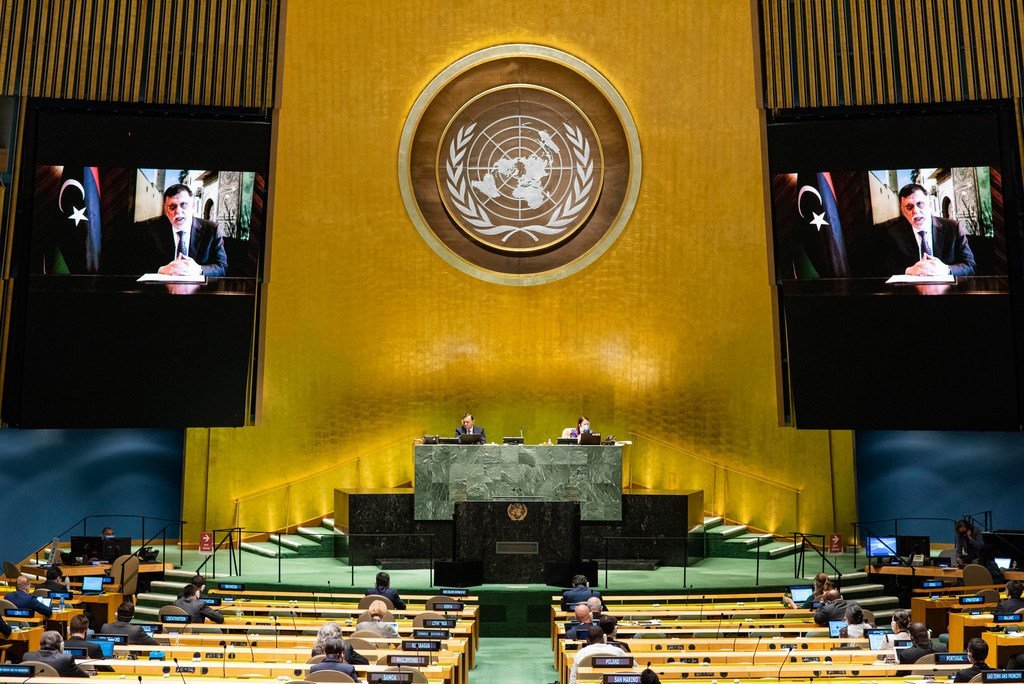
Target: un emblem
[517, 512]
[522, 168]
[519, 164]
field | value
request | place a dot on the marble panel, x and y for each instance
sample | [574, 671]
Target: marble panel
[447, 473]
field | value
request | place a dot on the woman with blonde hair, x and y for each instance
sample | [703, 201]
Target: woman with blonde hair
[377, 611]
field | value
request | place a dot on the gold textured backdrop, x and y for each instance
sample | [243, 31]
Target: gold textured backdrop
[370, 338]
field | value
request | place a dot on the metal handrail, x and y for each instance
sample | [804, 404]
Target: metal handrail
[84, 522]
[684, 540]
[430, 550]
[799, 562]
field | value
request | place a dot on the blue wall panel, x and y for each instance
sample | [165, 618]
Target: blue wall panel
[939, 474]
[52, 478]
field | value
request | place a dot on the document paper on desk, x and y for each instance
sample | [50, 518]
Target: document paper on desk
[920, 279]
[161, 278]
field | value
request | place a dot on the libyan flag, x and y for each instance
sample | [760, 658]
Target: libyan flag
[821, 247]
[79, 244]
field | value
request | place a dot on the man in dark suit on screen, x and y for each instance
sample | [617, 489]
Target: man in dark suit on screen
[920, 244]
[177, 243]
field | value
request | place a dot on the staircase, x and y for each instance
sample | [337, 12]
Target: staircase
[306, 542]
[737, 541]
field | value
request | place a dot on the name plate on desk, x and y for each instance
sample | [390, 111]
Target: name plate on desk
[1012, 617]
[17, 613]
[7, 670]
[517, 548]
[1002, 676]
[612, 661]
[621, 678]
[397, 677]
[967, 600]
[410, 660]
[421, 645]
[430, 634]
[449, 607]
[438, 623]
[454, 592]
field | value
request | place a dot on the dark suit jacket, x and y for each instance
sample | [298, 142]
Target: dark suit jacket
[93, 651]
[53, 585]
[151, 244]
[971, 672]
[477, 430]
[579, 594]
[389, 593]
[23, 600]
[198, 611]
[909, 656]
[63, 663]
[1008, 606]
[136, 635]
[949, 246]
[332, 663]
[5, 629]
[830, 611]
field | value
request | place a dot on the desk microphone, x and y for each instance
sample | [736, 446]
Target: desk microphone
[718, 629]
[224, 662]
[739, 630]
[754, 656]
[178, 668]
[252, 653]
[785, 660]
[329, 592]
[276, 628]
[294, 628]
[316, 613]
[703, 598]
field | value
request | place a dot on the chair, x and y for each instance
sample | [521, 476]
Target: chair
[364, 634]
[125, 571]
[417, 676]
[365, 602]
[433, 600]
[7, 605]
[977, 678]
[41, 593]
[328, 676]
[947, 554]
[41, 669]
[566, 433]
[1019, 611]
[3, 652]
[990, 595]
[170, 610]
[423, 617]
[283, 613]
[365, 617]
[976, 575]
[11, 571]
[316, 659]
[869, 617]
[361, 644]
[926, 659]
[586, 661]
[650, 635]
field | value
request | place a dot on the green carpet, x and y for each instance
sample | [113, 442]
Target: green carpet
[514, 660]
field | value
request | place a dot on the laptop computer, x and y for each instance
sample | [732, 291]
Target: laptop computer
[835, 628]
[471, 439]
[92, 585]
[590, 438]
[1004, 563]
[106, 647]
[877, 637]
[801, 593]
[566, 440]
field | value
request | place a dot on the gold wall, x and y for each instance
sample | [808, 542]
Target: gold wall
[370, 338]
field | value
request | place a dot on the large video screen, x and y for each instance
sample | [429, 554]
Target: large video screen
[896, 264]
[137, 270]
[944, 221]
[131, 221]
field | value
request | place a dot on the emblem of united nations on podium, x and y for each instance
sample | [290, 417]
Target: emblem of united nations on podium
[520, 168]
[519, 164]
[517, 512]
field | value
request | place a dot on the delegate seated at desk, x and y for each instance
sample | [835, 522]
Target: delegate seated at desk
[21, 598]
[469, 427]
[582, 425]
[176, 243]
[920, 244]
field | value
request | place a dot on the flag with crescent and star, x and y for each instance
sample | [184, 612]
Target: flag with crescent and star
[79, 248]
[822, 247]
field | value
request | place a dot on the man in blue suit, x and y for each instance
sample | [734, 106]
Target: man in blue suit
[469, 427]
[579, 593]
[21, 598]
[384, 589]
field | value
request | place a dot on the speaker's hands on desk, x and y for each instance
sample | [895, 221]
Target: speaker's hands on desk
[182, 266]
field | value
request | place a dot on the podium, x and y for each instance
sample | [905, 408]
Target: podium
[514, 539]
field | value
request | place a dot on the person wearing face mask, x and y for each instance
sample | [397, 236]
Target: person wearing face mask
[582, 425]
[921, 244]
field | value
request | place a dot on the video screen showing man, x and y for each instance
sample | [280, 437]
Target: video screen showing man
[921, 244]
[116, 221]
[178, 243]
[925, 222]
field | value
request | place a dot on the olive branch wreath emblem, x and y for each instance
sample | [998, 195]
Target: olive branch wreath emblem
[474, 213]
